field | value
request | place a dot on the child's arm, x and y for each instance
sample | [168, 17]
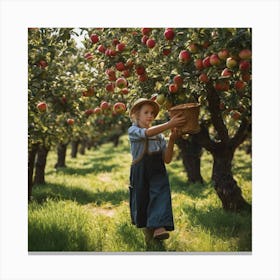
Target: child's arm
[170, 146]
[177, 120]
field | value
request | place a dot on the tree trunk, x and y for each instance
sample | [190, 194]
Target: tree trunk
[225, 185]
[82, 149]
[61, 155]
[191, 153]
[74, 148]
[115, 140]
[40, 165]
[31, 161]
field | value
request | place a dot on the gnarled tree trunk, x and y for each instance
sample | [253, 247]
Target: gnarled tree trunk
[191, 152]
[74, 148]
[31, 162]
[40, 165]
[61, 155]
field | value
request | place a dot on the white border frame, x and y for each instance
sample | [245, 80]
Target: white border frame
[262, 16]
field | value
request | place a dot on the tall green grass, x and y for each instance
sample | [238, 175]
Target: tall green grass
[84, 207]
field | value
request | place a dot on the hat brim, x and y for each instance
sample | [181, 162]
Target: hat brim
[139, 104]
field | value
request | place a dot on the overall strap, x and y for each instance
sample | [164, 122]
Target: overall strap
[145, 150]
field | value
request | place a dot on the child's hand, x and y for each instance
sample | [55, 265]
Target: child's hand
[175, 133]
[177, 120]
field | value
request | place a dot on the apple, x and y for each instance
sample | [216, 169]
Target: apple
[150, 43]
[120, 47]
[221, 85]
[193, 48]
[178, 80]
[203, 78]
[89, 112]
[94, 38]
[120, 66]
[42, 106]
[239, 85]
[110, 87]
[244, 65]
[121, 82]
[166, 51]
[125, 91]
[101, 48]
[63, 99]
[169, 34]
[173, 88]
[88, 56]
[126, 73]
[97, 110]
[231, 62]
[154, 97]
[140, 70]
[146, 31]
[198, 64]
[129, 63]
[223, 54]
[246, 77]
[160, 99]
[226, 73]
[245, 54]
[144, 39]
[90, 92]
[142, 78]
[214, 60]
[119, 108]
[42, 64]
[206, 62]
[115, 41]
[111, 74]
[70, 121]
[104, 105]
[184, 56]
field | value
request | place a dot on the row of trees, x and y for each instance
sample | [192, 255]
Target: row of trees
[85, 93]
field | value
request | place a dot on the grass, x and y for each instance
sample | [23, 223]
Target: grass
[84, 207]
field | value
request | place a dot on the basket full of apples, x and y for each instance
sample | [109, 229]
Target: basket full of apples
[191, 113]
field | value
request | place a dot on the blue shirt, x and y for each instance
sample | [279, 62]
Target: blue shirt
[137, 139]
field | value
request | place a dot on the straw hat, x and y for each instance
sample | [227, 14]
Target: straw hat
[141, 101]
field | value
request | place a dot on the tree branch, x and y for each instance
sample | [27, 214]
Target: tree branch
[241, 134]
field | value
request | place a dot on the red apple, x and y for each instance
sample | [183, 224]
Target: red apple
[119, 108]
[120, 47]
[129, 63]
[223, 54]
[246, 77]
[90, 92]
[198, 64]
[144, 39]
[120, 66]
[115, 41]
[239, 85]
[89, 112]
[231, 62]
[244, 65]
[206, 62]
[70, 121]
[42, 64]
[203, 78]
[178, 80]
[121, 82]
[126, 73]
[150, 43]
[235, 115]
[42, 106]
[111, 74]
[221, 85]
[169, 34]
[97, 110]
[140, 69]
[245, 54]
[166, 51]
[173, 88]
[110, 87]
[142, 78]
[146, 31]
[94, 38]
[101, 49]
[88, 56]
[184, 56]
[104, 105]
[226, 73]
[214, 60]
[125, 91]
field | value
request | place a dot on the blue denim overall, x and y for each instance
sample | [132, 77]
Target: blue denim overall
[150, 198]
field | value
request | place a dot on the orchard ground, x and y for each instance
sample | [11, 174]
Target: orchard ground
[84, 207]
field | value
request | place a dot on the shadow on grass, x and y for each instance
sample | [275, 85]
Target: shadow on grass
[223, 224]
[60, 192]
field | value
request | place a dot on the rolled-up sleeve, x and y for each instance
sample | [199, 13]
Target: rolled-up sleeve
[136, 133]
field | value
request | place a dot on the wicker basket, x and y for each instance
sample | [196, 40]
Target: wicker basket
[191, 113]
